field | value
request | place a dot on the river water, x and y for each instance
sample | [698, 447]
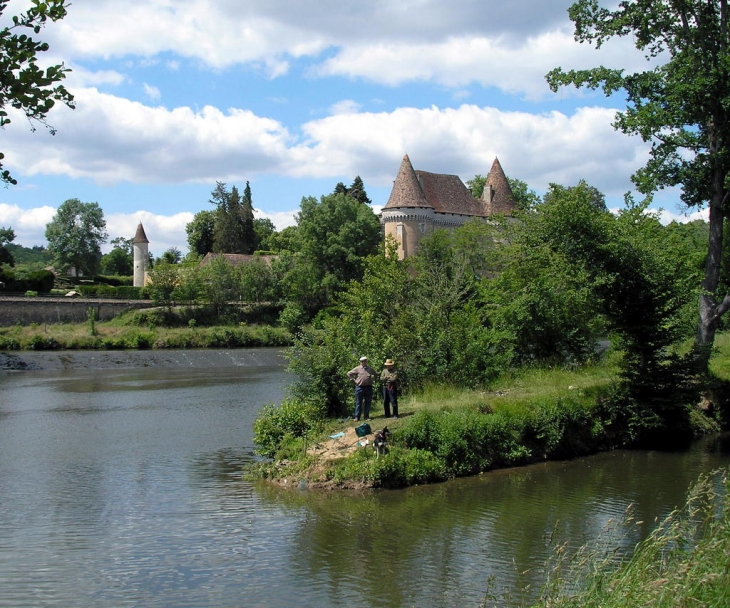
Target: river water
[121, 485]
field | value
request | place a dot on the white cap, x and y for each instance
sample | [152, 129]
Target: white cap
[363, 358]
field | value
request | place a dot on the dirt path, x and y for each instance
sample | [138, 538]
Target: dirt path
[339, 447]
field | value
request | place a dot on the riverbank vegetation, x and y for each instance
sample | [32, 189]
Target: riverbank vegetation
[610, 300]
[141, 330]
[683, 562]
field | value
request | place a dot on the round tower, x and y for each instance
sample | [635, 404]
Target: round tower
[140, 246]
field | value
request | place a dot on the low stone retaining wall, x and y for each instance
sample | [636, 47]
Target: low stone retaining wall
[27, 310]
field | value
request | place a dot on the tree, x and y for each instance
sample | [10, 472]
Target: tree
[171, 256]
[357, 191]
[126, 245]
[335, 234]
[595, 197]
[24, 85]
[164, 279]
[219, 285]
[526, 198]
[7, 236]
[680, 106]
[256, 281]
[200, 232]
[264, 230]
[248, 234]
[75, 235]
[636, 281]
[117, 262]
[476, 185]
[120, 260]
[233, 228]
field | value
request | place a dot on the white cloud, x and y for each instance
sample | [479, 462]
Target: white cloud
[163, 231]
[112, 140]
[346, 106]
[280, 219]
[109, 139]
[29, 225]
[509, 45]
[151, 92]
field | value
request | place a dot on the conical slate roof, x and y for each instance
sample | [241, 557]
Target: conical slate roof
[498, 196]
[406, 189]
[441, 192]
[140, 236]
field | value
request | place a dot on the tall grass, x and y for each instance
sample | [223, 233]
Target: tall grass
[684, 562]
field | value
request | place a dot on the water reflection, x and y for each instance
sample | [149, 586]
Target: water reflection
[125, 488]
[438, 545]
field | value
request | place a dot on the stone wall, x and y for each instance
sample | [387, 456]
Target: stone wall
[27, 310]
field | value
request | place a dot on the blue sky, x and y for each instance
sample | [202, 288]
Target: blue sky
[294, 96]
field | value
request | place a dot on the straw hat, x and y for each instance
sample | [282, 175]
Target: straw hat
[363, 358]
[389, 362]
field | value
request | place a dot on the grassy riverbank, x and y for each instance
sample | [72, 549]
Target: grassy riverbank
[446, 432]
[137, 330]
[684, 562]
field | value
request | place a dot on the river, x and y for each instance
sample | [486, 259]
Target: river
[121, 486]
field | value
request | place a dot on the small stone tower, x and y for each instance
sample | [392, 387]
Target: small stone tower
[141, 252]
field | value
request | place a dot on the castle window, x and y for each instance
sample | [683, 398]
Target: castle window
[399, 230]
[422, 227]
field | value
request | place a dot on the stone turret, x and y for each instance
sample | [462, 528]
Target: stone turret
[498, 197]
[140, 246]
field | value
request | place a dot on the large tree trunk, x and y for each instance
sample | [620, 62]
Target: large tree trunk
[710, 310]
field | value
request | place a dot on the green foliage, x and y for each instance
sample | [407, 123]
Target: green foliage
[75, 235]
[91, 315]
[36, 256]
[218, 285]
[200, 232]
[683, 562]
[20, 281]
[335, 234]
[293, 418]
[264, 231]
[293, 316]
[31, 294]
[233, 229]
[117, 262]
[680, 106]
[256, 281]
[24, 85]
[164, 278]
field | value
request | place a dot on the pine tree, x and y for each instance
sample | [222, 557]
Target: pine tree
[357, 191]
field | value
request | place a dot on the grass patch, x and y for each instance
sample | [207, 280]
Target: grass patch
[684, 562]
[114, 335]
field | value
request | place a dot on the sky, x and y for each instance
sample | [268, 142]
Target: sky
[295, 96]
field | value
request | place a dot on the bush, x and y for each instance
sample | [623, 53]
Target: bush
[293, 418]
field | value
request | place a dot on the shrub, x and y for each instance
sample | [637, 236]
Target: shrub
[294, 418]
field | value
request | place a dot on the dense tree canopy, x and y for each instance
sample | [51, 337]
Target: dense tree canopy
[200, 232]
[24, 86]
[680, 105]
[75, 235]
[334, 235]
